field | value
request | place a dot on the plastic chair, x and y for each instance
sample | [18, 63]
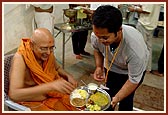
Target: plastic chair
[12, 106]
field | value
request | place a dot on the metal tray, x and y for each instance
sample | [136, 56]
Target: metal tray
[98, 90]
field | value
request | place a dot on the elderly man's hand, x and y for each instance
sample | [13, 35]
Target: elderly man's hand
[72, 80]
[62, 86]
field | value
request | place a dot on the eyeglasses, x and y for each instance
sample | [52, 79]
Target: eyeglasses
[45, 49]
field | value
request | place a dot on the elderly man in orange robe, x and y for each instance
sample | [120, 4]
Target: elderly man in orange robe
[36, 80]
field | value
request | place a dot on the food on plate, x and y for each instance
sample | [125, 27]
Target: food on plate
[78, 102]
[78, 97]
[99, 99]
[80, 93]
[92, 86]
[91, 107]
[83, 99]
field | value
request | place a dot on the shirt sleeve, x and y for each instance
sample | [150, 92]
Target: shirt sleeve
[136, 67]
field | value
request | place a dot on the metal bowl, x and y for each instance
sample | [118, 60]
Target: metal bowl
[80, 101]
[70, 13]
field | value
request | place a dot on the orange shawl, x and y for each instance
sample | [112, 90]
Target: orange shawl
[47, 73]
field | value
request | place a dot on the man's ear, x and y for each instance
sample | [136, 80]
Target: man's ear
[120, 29]
[119, 32]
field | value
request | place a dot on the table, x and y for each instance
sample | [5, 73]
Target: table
[71, 28]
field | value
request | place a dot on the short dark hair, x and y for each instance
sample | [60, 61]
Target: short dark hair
[107, 16]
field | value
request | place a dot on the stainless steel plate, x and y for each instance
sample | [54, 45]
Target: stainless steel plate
[98, 90]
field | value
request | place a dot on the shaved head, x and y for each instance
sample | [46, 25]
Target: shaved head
[41, 41]
[41, 34]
